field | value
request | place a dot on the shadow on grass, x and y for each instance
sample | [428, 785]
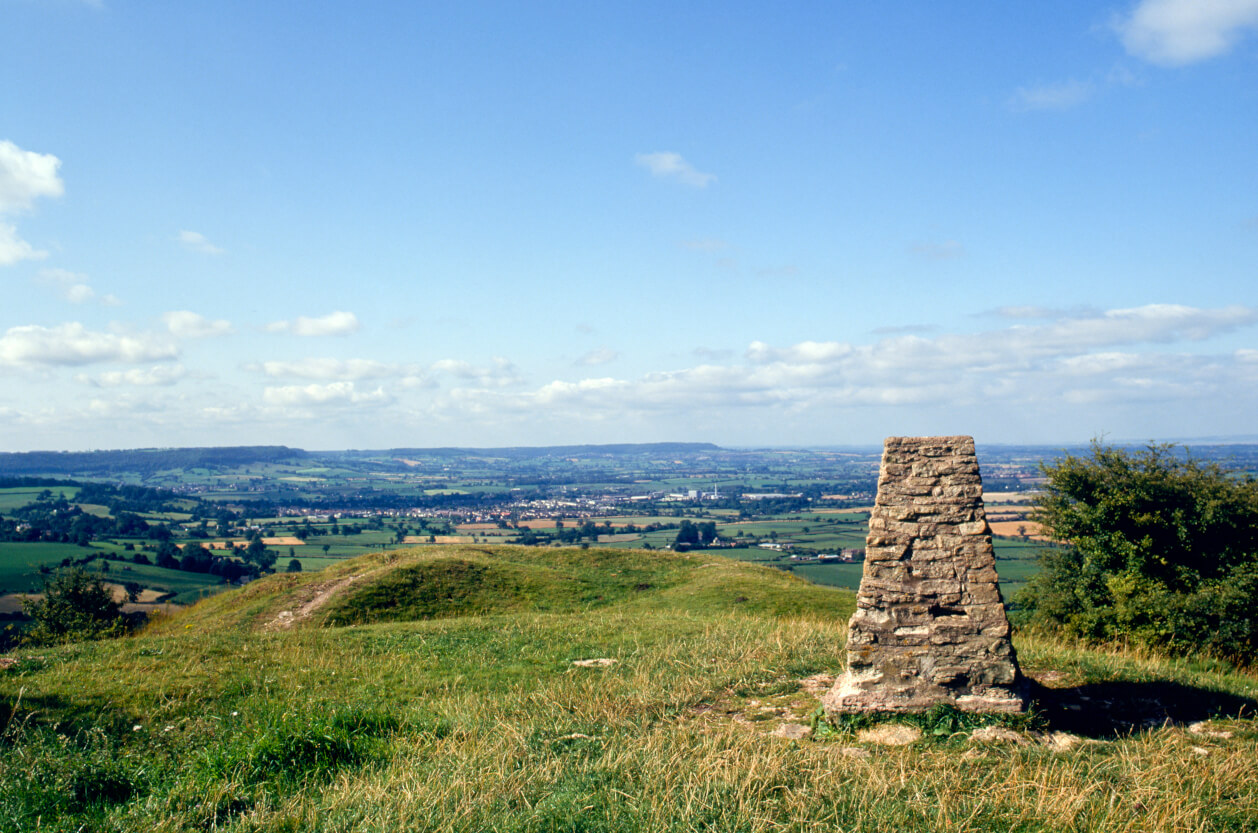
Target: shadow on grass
[1104, 710]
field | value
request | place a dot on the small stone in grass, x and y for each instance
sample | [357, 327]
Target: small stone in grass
[890, 734]
[792, 731]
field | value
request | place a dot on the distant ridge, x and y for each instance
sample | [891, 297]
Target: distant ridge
[142, 459]
[148, 460]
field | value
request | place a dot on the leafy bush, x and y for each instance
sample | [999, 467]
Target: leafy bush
[1163, 552]
[74, 607]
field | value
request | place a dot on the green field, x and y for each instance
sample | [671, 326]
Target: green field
[187, 587]
[20, 563]
[18, 496]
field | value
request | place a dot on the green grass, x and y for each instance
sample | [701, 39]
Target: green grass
[479, 720]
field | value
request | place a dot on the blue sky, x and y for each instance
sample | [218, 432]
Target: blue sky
[418, 224]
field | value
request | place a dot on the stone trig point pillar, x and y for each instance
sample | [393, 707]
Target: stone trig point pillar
[929, 626]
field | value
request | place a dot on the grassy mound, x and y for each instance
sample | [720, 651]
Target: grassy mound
[469, 712]
[463, 580]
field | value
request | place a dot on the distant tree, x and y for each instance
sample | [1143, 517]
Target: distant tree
[294, 566]
[167, 556]
[326, 547]
[687, 535]
[257, 553]
[133, 589]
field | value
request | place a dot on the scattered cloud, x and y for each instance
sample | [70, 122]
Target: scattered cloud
[337, 323]
[159, 376]
[1083, 368]
[195, 241]
[1089, 358]
[603, 355]
[74, 287]
[669, 165]
[314, 395]
[185, 324]
[329, 368]
[938, 250]
[1178, 32]
[25, 176]
[73, 344]
[1061, 96]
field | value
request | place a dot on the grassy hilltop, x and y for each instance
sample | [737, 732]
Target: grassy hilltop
[447, 689]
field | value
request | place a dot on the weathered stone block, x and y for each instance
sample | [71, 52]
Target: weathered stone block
[930, 626]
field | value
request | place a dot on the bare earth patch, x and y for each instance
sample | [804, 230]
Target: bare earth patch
[311, 598]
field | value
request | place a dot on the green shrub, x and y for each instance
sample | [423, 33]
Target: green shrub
[1163, 552]
[74, 607]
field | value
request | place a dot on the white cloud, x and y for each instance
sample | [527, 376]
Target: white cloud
[334, 393]
[25, 176]
[73, 344]
[671, 165]
[73, 287]
[1060, 96]
[329, 368]
[1177, 32]
[603, 355]
[185, 324]
[337, 323]
[196, 241]
[159, 376]
[14, 248]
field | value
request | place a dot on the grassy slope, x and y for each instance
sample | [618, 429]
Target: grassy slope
[482, 722]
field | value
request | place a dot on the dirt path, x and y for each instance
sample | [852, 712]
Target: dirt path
[309, 599]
